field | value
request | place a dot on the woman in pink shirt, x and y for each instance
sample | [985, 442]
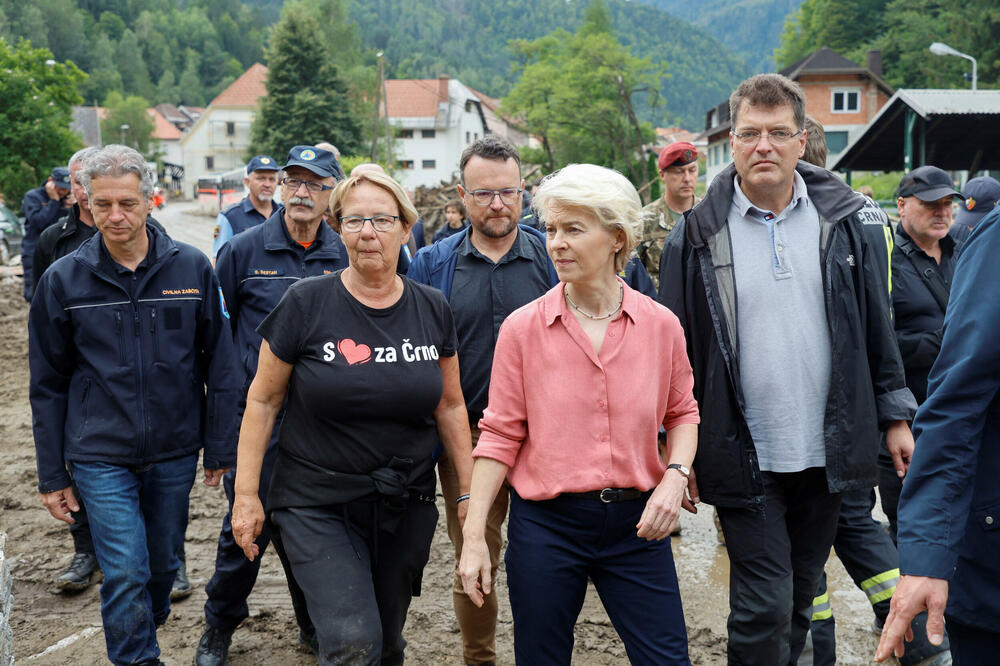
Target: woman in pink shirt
[583, 377]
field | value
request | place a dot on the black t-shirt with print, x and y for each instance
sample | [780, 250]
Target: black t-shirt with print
[365, 381]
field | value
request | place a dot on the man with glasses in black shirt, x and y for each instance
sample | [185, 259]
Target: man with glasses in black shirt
[255, 269]
[486, 272]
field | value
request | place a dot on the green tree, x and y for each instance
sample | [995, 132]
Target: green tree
[38, 95]
[575, 92]
[192, 89]
[104, 76]
[131, 66]
[131, 112]
[305, 99]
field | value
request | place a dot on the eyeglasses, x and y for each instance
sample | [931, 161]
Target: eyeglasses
[311, 185]
[355, 223]
[751, 137]
[508, 196]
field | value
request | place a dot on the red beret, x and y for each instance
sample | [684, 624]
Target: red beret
[678, 153]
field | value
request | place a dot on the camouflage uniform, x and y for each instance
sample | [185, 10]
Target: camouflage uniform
[657, 220]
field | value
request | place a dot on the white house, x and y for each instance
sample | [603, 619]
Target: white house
[433, 121]
[219, 139]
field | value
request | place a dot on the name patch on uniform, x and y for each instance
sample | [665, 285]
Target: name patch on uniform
[265, 272]
[181, 292]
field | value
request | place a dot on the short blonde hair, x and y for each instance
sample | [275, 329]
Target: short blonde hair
[604, 192]
[406, 210]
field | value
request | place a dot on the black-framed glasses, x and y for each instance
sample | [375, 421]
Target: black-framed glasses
[355, 223]
[508, 196]
[311, 185]
[751, 137]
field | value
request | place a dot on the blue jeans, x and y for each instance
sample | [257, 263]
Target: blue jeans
[137, 520]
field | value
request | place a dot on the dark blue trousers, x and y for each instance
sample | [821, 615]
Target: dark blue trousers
[235, 575]
[972, 646]
[555, 546]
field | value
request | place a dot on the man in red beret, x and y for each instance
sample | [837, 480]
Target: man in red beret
[678, 165]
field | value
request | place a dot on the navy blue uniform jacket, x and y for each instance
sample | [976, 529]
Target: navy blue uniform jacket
[130, 381]
[949, 511]
[256, 267]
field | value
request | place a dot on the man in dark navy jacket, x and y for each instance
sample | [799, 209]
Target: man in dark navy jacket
[258, 205]
[255, 269]
[133, 372]
[949, 512]
[42, 207]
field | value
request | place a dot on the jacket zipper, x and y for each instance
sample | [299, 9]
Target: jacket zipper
[120, 329]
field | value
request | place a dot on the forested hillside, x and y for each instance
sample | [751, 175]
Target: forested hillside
[749, 28]
[187, 51]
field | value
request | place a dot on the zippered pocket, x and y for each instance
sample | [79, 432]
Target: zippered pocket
[84, 397]
[120, 329]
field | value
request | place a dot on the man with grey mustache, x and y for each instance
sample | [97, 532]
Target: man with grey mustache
[255, 268]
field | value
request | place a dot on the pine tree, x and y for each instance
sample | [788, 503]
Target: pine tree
[306, 98]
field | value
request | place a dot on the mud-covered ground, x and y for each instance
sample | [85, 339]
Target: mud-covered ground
[54, 628]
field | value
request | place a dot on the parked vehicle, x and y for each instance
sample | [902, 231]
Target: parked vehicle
[11, 233]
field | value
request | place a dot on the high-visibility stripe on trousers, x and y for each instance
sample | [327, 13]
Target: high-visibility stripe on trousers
[881, 586]
[821, 607]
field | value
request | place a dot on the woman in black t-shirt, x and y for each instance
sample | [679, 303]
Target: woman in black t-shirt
[367, 361]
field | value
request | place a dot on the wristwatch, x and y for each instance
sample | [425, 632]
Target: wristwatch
[685, 471]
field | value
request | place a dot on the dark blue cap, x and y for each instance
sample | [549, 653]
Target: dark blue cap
[981, 195]
[927, 183]
[263, 163]
[60, 177]
[320, 162]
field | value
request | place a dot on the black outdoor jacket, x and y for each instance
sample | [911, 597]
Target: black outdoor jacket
[867, 386]
[63, 237]
[919, 316]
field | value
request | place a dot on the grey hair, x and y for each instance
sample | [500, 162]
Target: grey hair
[116, 160]
[81, 156]
[604, 192]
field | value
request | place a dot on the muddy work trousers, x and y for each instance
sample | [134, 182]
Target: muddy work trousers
[358, 584]
[869, 555]
[478, 624]
[776, 558]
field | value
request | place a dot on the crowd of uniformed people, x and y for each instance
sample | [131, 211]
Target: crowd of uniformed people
[331, 368]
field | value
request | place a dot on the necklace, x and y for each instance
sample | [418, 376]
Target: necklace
[621, 297]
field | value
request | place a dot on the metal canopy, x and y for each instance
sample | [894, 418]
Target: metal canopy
[951, 129]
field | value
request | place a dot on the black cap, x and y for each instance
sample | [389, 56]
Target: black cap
[262, 163]
[927, 183]
[60, 177]
[320, 162]
[981, 195]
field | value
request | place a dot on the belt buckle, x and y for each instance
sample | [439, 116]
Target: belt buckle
[609, 495]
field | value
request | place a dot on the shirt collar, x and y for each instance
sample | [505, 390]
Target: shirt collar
[747, 209]
[519, 250]
[554, 304]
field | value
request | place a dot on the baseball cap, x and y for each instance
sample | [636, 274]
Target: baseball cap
[981, 195]
[262, 163]
[60, 177]
[927, 183]
[320, 162]
[678, 153]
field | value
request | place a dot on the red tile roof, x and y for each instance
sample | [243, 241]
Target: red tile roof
[163, 129]
[412, 98]
[246, 90]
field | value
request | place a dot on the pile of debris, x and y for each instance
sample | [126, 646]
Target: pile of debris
[430, 203]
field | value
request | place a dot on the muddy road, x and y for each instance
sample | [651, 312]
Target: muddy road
[54, 628]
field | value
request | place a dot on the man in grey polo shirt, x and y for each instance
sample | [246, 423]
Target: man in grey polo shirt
[796, 367]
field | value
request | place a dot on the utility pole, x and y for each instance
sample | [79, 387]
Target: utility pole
[385, 106]
[378, 91]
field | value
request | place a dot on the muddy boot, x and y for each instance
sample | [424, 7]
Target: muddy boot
[182, 586]
[79, 574]
[213, 648]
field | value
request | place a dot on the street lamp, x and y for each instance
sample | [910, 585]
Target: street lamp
[942, 49]
[124, 128]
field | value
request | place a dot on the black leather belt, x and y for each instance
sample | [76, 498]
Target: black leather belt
[609, 495]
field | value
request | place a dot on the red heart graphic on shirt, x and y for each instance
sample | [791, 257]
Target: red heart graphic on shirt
[353, 352]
